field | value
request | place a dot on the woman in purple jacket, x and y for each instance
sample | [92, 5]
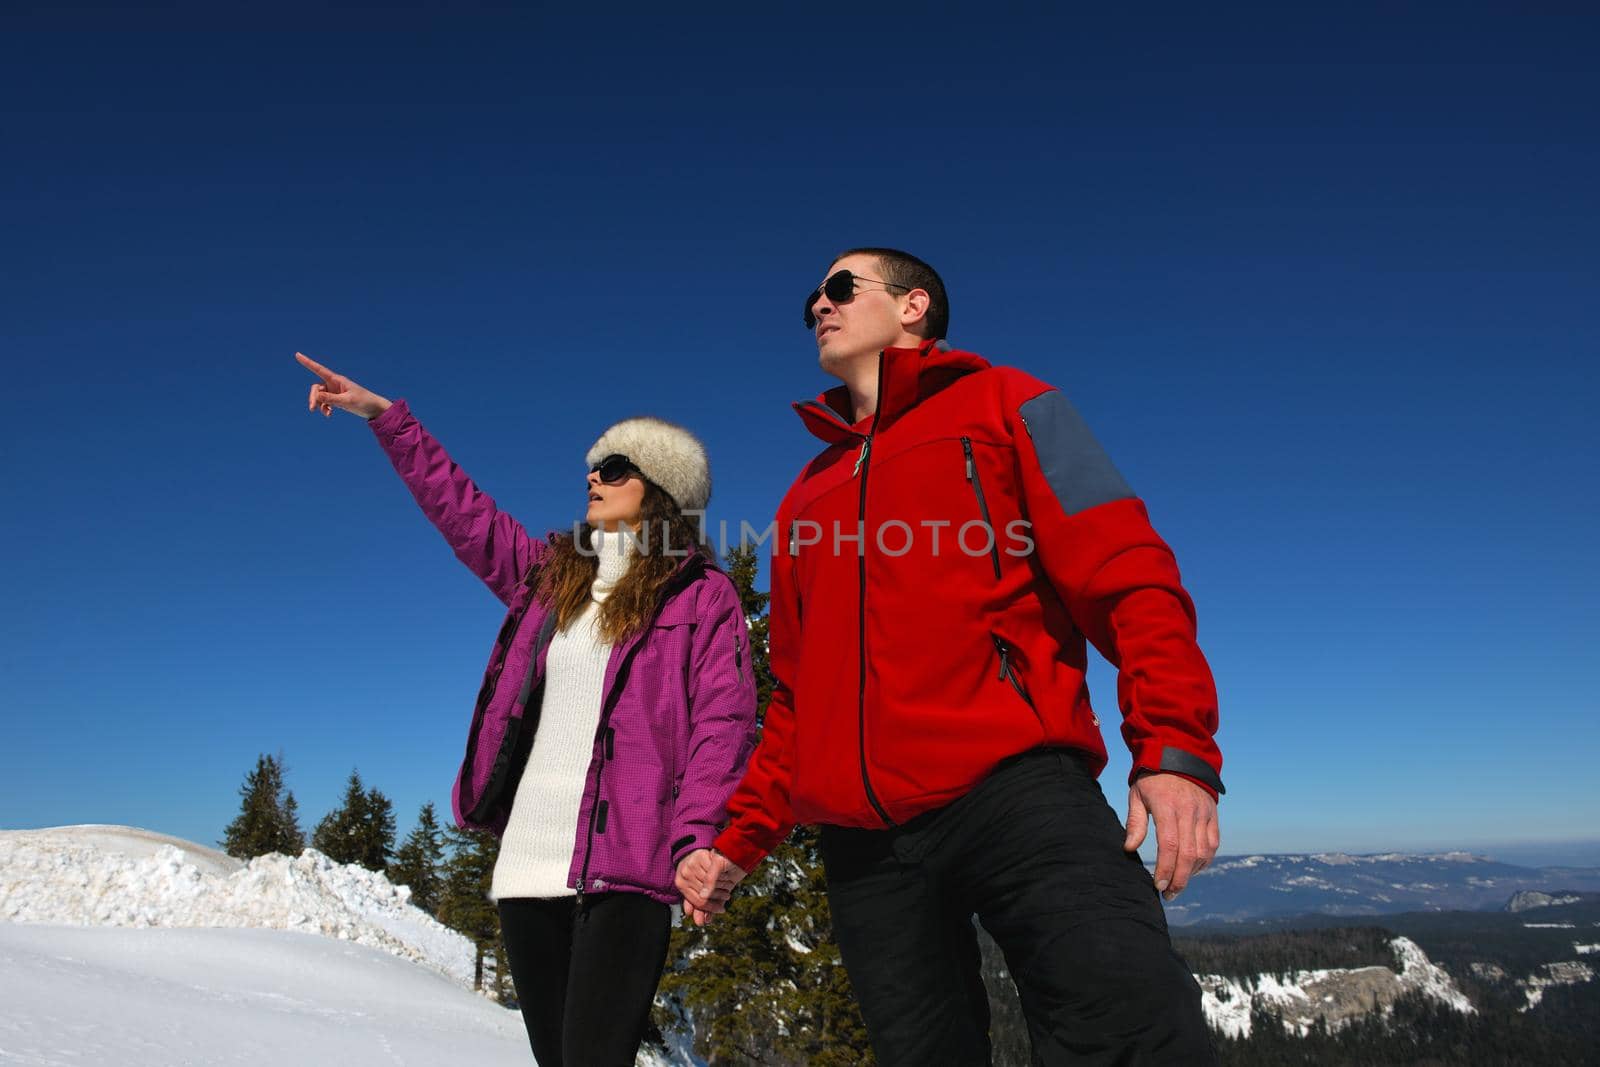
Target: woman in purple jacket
[614, 720]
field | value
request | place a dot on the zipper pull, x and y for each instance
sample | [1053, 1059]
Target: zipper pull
[966, 449]
[866, 446]
[1005, 667]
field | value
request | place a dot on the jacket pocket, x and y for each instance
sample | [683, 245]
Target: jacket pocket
[975, 480]
[1008, 671]
[672, 635]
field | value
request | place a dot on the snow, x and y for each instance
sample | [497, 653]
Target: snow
[125, 947]
[1309, 881]
[1547, 926]
[1334, 995]
[1419, 972]
[153, 997]
[1227, 1002]
[1584, 950]
[104, 876]
[1341, 859]
[1338, 859]
[1555, 974]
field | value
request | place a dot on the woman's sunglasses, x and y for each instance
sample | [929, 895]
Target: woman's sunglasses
[614, 470]
[840, 286]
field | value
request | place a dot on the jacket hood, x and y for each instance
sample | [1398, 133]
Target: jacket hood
[906, 377]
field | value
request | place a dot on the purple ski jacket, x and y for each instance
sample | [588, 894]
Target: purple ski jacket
[678, 706]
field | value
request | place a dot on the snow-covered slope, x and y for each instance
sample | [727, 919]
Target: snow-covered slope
[1335, 995]
[119, 876]
[156, 997]
[1245, 888]
[120, 946]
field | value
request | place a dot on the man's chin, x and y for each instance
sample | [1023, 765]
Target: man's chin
[834, 360]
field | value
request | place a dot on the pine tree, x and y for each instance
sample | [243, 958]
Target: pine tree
[360, 830]
[464, 903]
[742, 565]
[420, 861]
[294, 840]
[763, 982]
[266, 822]
[377, 843]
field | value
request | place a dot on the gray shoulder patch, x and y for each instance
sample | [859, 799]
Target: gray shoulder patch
[1077, 468]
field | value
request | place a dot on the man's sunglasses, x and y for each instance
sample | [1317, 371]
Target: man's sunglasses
[840, 286]
[616, 469]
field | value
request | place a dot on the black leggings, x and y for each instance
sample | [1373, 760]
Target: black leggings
[585, 974]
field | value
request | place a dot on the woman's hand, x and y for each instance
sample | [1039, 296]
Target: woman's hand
[337, 391]
[706, 879]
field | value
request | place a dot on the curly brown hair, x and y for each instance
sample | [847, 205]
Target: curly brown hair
[568, 573]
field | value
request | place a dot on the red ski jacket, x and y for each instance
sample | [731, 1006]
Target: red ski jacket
[935, 573]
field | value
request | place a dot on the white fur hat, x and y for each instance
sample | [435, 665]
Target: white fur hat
[667, 454]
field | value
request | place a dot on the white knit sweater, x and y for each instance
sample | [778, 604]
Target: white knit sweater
[536, 849]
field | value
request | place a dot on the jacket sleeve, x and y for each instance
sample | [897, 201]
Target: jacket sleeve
[492, 544]
[759, 812]
[722, 718]
[1120, 583]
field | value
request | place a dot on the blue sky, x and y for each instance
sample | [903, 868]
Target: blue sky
[1325, 286]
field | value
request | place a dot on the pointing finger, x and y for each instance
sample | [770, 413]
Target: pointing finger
[313, 366]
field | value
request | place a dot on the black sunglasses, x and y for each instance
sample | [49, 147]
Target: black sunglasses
[615, 469]
[840, 286]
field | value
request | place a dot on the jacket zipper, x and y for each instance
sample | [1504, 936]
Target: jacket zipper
[495, 785]
[861, 633]
[603, 737]
[1007, 674]
[863, 462]
[983, 507]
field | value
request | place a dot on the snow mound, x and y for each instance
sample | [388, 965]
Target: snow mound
[131, 841]
[264, 998]
[120, 876]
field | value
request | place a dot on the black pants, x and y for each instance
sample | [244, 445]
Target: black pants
[1036, 852]
[585, 974]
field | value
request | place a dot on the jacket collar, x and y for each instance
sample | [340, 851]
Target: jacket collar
[906, 377]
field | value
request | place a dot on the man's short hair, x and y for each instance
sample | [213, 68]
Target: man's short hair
[903, 268]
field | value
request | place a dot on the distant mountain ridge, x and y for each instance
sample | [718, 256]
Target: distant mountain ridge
[1246, 888]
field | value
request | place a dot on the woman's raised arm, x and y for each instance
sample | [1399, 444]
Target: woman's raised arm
[492, 544]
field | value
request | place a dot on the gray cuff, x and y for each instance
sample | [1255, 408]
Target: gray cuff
[1180, 762]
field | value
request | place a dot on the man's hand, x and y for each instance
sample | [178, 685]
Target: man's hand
[706, 879]
[1186, 827]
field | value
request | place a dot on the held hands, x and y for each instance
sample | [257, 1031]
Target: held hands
[1186, 827]
[337, 391]
[706, 879]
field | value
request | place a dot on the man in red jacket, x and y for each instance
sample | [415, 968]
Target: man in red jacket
[938, 572]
